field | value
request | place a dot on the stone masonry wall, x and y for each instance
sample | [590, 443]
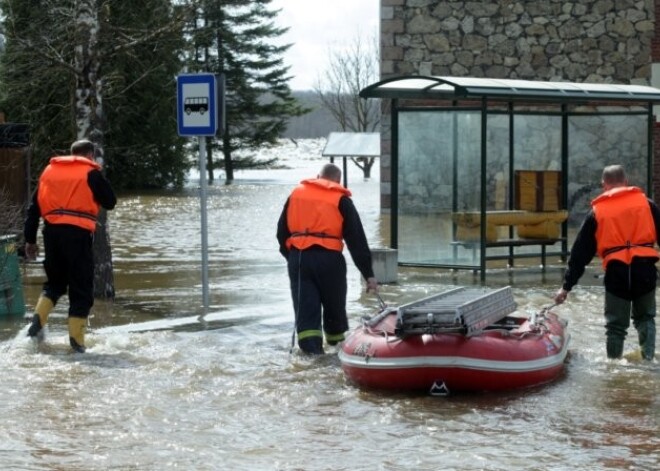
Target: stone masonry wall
[655, 55]
[601, 41]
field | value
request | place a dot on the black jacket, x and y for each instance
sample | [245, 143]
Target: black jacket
[624, 281]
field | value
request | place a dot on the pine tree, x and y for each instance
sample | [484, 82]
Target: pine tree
[236, 38]
[141, 137]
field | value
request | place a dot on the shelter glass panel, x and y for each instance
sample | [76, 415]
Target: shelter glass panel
[439, 173]
[597, 141]
[537, 142]
[497, 169]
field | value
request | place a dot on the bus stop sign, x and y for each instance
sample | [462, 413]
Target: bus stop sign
[196, 105]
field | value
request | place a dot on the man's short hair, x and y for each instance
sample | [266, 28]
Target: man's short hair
[331, 172]
[614, 175]
[83, 148]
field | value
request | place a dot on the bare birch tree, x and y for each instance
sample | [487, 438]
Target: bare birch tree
[349, 70]
[88, 108]
[78, 39]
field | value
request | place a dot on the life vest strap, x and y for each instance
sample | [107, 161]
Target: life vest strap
[69, 212]
[321, 235]
[628, 246]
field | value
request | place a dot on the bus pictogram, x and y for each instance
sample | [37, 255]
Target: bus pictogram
[196, 104]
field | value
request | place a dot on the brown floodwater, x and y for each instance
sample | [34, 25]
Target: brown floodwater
[165, 385]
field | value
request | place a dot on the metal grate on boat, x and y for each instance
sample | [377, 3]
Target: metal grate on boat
[468, 310]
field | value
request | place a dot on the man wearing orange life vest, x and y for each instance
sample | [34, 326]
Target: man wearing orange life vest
[68, 196]
[622, 228]
[317, 218]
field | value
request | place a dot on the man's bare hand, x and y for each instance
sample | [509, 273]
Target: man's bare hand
[31, 251]
[372, 284]
[561, 296]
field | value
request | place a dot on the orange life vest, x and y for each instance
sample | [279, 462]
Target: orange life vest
[625, 225]
[64, 196]
[313, 215]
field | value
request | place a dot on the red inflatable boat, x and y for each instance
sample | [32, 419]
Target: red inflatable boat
[460, 340]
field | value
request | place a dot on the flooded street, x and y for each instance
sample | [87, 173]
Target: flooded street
[166, 386]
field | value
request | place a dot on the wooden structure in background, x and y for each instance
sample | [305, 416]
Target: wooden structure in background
[15, 162]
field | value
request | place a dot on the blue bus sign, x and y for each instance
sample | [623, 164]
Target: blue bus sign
[196, 105]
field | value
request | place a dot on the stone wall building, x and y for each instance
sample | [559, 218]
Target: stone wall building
[597, 41]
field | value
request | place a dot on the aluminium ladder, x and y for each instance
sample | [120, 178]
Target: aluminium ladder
[467, 310]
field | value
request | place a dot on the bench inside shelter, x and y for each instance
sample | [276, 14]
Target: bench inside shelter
[526, 228]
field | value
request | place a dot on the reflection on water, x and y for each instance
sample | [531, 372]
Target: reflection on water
[164, 386]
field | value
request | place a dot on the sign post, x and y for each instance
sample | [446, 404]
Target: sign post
[197, 115]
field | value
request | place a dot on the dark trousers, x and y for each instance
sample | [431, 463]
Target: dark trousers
[617, 320]
[318, 290]
[69, 266]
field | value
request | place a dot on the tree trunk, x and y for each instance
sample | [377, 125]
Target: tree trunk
[368, 164]
[89, 123]
[209, 159]
[104, 281]
[364, 164]
[229, 166]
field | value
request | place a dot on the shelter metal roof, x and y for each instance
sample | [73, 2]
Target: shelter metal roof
[352, 144]
[507, 89]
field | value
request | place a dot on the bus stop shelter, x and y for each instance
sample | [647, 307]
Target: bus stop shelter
[496, 169]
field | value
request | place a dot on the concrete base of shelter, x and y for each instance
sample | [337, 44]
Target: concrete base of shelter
[385, 262]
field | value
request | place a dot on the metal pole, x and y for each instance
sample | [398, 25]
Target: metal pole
[345, 173]
[484, 163]
[564, 178]
[205, 240]
[650, 173]
[394, 178]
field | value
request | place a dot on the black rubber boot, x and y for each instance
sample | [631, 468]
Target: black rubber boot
[614, 347]
[646, 336]
[35, 330]
[312, 345]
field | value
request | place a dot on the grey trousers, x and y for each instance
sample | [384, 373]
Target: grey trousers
[617, 320]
